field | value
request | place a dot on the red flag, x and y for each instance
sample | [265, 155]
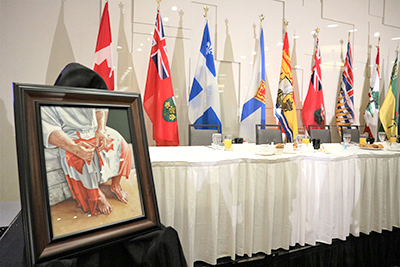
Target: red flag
[159, 101]
[102, 56]
[313, 107]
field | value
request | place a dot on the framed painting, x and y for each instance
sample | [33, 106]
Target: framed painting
[84, 169]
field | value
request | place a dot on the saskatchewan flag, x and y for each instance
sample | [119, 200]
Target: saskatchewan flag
[388, 111]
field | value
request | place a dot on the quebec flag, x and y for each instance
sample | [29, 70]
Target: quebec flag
[204, 105]
[253, 111]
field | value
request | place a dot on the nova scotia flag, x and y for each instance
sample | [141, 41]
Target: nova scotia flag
[204, 105]
[253, 111]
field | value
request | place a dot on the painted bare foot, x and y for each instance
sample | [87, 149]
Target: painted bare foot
[102, 204]
[121, 194]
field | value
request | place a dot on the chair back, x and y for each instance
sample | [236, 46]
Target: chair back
[353, 130]
[268, 133]
[201, 134]
[321, 132]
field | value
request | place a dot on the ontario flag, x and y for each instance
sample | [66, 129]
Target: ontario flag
[159, 101]
[344, 105]
[103, 54]
[314, 107]
[285, 107]
[371, 114]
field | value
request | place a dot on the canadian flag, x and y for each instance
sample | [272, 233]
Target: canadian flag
[103, 54]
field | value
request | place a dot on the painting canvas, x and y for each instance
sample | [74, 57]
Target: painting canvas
[84, 167]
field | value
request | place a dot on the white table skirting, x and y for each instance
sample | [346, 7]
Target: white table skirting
[224, 203]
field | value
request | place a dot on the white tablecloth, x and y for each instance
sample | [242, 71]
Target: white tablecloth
[224, 203]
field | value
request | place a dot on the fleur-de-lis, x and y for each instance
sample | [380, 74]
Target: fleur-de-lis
[209, 48]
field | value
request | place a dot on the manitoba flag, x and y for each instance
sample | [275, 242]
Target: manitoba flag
[313, 107]
[159, 101]
[102, 56]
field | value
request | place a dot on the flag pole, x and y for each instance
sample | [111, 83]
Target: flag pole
[285, 23]
[262, 17]
[379, 41]
[317, 30]
[158, 4]
[349, 36]
[205, 11]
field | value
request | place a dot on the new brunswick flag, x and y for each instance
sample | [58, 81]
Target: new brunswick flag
[159, 101]
[285, 108]
[388, 111]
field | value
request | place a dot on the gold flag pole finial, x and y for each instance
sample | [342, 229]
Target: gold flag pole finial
[317, 30]
[262, 17]
[158, 3]
[285, 23]
[379, 41]
[349, 36]
[205, 11]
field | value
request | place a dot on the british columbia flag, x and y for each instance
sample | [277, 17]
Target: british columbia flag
[345, 100]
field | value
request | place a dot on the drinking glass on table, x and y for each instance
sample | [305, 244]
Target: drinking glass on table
[299, 139]
[382, 136]
[346, 139]
[216, 140]
[393, 138]
[228, 141]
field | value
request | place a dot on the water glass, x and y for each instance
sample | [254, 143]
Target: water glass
[299, 139]
[216, 139]
[382, 136]
[346, 139]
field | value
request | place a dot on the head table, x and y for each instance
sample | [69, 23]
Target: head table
[227, 203]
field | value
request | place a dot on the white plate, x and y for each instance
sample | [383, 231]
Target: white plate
[265, 153]
[372, 148]
[393, 149]
[289, 152]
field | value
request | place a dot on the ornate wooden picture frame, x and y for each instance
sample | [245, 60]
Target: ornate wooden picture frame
[51, 200]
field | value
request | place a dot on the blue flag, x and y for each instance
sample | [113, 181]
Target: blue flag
[253, 111]
[204, 105]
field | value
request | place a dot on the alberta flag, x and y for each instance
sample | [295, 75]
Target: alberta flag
[388, 112]
[345, 99]
[314, 108]
[372, 112]
[253, 111]
[159, 101]
[285, 109]
[103, 54]
[204, 105]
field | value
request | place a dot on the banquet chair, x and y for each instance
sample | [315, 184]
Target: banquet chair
[201, 134]
[268, 133]
[351, 129]
[321, 132]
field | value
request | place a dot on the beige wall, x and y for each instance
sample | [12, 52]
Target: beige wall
[39, 37]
